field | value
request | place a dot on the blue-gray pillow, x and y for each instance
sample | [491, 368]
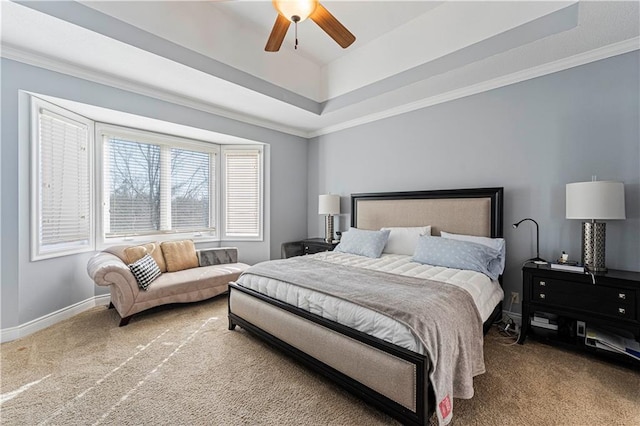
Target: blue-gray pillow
[363, 242]
[438, 251]
[497, 265]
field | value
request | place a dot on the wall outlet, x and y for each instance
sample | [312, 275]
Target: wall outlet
[515, 297]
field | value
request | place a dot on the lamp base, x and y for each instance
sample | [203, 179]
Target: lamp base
[328, 228]
[593, 245]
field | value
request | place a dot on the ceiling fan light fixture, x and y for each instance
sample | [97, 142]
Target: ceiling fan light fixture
[299, 8]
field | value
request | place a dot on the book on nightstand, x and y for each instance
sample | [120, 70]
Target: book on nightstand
[544, 320]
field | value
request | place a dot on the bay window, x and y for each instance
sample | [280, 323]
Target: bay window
[145, 185]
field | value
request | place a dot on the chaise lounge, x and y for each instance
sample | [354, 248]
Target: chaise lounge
[186, 275]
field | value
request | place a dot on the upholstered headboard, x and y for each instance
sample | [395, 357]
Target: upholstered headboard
[461, 211]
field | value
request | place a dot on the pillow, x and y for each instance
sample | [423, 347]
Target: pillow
[498, 244]
[456, 254]
[135, 253]
[145, 270]
[179, 255]
[404, 240]
[362, 242]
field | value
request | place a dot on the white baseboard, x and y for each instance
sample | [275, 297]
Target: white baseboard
[13, 333]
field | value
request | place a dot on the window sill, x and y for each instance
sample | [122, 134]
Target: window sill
[143, 239]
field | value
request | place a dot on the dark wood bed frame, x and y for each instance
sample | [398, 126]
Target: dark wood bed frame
[425, 404]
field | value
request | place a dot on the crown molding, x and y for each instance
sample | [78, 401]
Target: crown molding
[53, 64]
[57, 65]
[605, 52]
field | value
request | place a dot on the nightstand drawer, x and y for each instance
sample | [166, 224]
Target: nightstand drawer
[610, 301]
[308, 246]
[314, 248]
[316, 245]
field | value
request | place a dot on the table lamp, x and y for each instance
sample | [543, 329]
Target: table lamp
[328, 205]
[596, 200]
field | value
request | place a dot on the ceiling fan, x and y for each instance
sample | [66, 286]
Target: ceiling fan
[297, 11]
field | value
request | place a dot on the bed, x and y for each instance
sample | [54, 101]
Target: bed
[390, 375]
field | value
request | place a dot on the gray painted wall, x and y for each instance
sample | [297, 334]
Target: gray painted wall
[31, 290]
[531, 138]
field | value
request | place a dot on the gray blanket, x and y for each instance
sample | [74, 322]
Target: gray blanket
[443, 316]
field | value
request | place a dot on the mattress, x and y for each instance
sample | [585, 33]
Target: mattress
[485, 293]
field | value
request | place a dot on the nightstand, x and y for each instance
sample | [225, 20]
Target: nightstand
[609, 301]
[308, 246]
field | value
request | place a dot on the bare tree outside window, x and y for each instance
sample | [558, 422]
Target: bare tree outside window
[136, 181]
[135, 187]
[189, 190]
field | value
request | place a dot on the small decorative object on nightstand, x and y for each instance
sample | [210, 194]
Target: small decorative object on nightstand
[580, 302]
[596, 200]
[536, 259]
[328, 205]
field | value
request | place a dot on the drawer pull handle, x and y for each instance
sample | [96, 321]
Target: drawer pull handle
[542, 283]
[622, 296]
[542, 296]
[622, 311]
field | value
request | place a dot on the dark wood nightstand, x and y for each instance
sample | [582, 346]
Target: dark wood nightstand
[308, 246]
[609, 301]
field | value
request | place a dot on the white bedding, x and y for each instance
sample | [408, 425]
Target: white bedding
[485, 293]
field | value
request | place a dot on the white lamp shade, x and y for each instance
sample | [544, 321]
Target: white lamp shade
[329, 204]
[595, 200]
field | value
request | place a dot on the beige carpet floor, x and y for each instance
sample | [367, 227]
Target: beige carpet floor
[180, 365]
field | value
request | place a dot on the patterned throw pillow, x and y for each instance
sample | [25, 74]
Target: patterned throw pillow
[145, 270]
[362, 242]
[438, 251]
[497, 265]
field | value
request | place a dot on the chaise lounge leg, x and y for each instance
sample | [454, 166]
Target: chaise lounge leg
[111, 305]
[124, 321]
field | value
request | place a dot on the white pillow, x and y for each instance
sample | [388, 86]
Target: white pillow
[497, 244]
[403, 240]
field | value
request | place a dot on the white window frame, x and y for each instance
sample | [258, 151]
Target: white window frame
[37, 250]
[260, 235]
[96, 239]
[103, 129]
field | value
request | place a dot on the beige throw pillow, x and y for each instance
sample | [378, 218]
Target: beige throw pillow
[179, 255]
[135, 253]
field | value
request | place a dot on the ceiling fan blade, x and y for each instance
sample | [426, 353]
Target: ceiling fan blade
[332, 26]
[278, 32]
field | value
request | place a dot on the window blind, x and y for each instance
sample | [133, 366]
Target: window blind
[133, 187]
[157, 187]
[242, 193]
[64, 180]
[190, 186]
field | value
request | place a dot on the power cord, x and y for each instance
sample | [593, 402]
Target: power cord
[507, 327]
